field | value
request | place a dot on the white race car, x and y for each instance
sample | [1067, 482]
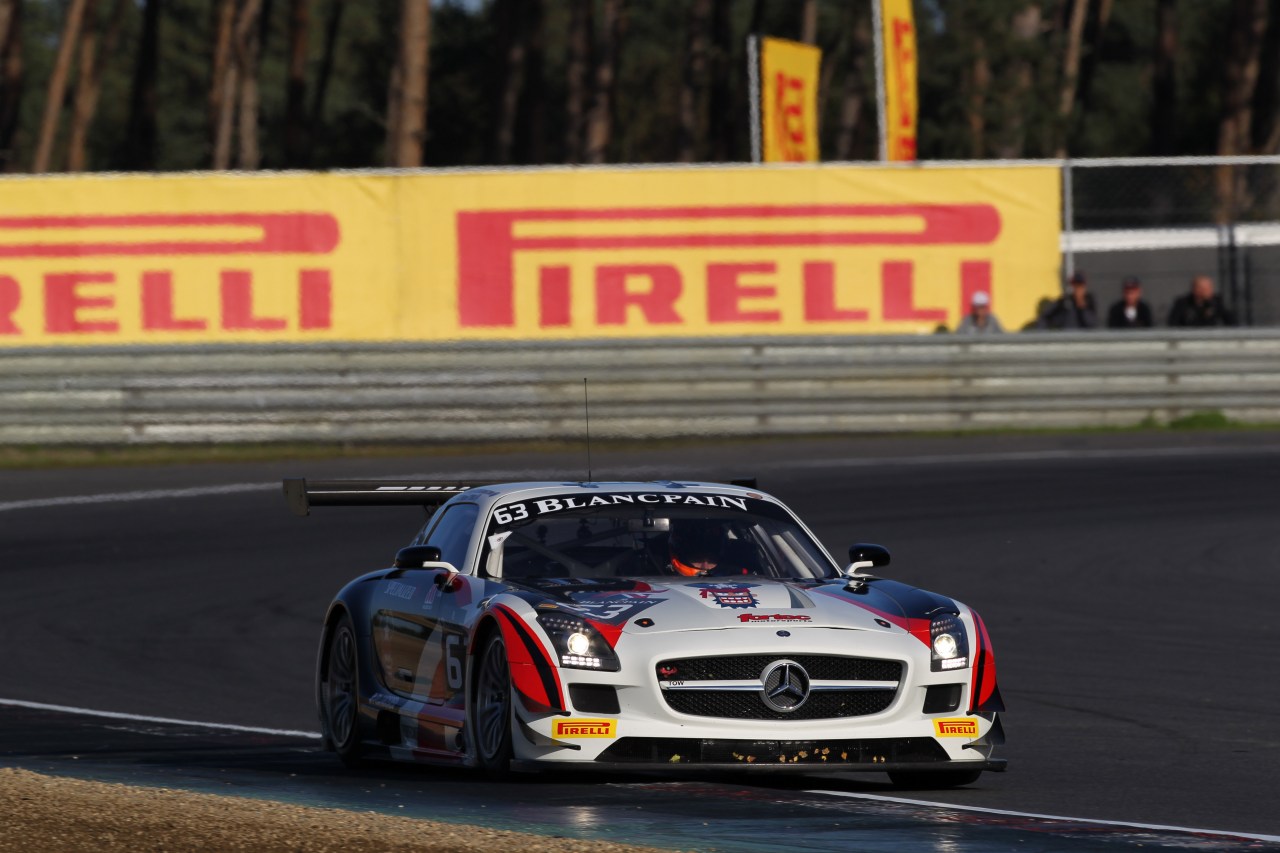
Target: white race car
[644, 624]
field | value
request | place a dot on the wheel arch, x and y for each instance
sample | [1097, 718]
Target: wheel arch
[485, 627]
[336, 611]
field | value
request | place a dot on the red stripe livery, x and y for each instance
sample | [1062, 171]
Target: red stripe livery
[984, 694]
[532, 672]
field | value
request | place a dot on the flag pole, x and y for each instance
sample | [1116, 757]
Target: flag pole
[753, 96]
[877, 28]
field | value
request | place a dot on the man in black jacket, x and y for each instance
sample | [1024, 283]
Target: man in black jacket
[1073, 311]
[1130, 312]
[1200, 307]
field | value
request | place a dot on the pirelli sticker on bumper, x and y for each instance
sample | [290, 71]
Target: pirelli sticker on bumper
[584, 728]
[962, 727]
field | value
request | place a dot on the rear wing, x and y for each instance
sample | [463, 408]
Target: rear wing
[302, 494]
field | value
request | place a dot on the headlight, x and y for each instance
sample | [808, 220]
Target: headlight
[577, 644]
[950, 646]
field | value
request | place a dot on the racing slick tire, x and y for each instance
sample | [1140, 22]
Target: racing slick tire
[924, 780]
[340, 693]
[491, 709]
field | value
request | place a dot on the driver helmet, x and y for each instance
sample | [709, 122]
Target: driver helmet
[696, 546]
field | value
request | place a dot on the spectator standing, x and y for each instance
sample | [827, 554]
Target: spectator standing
[1200, 307]
[1076, 310]
[979, 320]
[1131, 311]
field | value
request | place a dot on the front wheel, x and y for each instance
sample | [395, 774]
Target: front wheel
[339, 694]
[491, 710]
[924, 780]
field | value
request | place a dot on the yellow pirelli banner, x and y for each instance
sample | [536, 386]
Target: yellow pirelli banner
[789, 100]
[547, 254]
[898, 37]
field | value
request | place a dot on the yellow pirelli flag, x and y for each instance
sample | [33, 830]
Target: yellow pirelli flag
[898, 37]
[789, 100]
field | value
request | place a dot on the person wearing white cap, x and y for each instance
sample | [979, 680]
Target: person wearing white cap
[979, 320]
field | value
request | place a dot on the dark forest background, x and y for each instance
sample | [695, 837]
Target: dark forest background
[282, 84]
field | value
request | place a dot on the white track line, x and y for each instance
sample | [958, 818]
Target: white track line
[1150, 827]
[139, 718]
[149, 495]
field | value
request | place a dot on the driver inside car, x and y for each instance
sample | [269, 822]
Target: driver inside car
[700, 547]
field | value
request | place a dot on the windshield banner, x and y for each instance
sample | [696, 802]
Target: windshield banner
[539, 254]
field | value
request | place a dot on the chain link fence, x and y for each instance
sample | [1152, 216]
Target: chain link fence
[1166, 220]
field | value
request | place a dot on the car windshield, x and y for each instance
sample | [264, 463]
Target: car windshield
[626, 535]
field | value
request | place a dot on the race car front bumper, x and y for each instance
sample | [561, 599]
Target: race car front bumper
[807, 756]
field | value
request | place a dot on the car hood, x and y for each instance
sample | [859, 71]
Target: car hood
[720, 603]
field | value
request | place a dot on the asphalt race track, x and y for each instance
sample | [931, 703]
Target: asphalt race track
[1131, 583]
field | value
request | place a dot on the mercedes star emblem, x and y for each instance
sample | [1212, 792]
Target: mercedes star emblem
[784, 686]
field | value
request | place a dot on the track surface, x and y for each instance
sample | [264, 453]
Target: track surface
[1129, 582]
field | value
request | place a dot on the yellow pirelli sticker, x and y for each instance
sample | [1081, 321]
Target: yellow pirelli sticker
[584, 728]
[964, 727]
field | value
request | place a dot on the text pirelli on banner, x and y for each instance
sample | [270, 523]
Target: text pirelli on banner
[900, 100]
[520, 255]
[789, 100]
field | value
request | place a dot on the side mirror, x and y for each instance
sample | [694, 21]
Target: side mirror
[865, 555]
[415, 556]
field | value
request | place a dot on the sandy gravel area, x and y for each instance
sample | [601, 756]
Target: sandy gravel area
[51, 813]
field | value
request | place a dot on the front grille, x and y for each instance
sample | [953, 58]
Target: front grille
[764, 753]
[742, 667]
[740, 705]
[748, 704]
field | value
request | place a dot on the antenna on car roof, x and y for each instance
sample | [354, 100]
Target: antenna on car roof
[586, 411]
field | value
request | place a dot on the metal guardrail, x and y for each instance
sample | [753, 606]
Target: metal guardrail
[515, 391]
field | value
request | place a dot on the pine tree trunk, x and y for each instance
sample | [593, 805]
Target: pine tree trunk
[89, 84]
[8, 12]
[511, 30]
[600, 121]
[809, 22]
[11, 79]
[140, 143]
[854, 92]
[295, 110]
[1089, 63]
[1025, 30]
[248, 52]
[1070, 73]
[1240, 76]
[1266, 95]
[221, 97]
[979, 85]
[84, 100]
[581, 30]
[695, 72]
[331, 28]
[1164, 92]
[58, 85]
[407, 99]
[827, 71]
[720, 119]
[532, 111]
